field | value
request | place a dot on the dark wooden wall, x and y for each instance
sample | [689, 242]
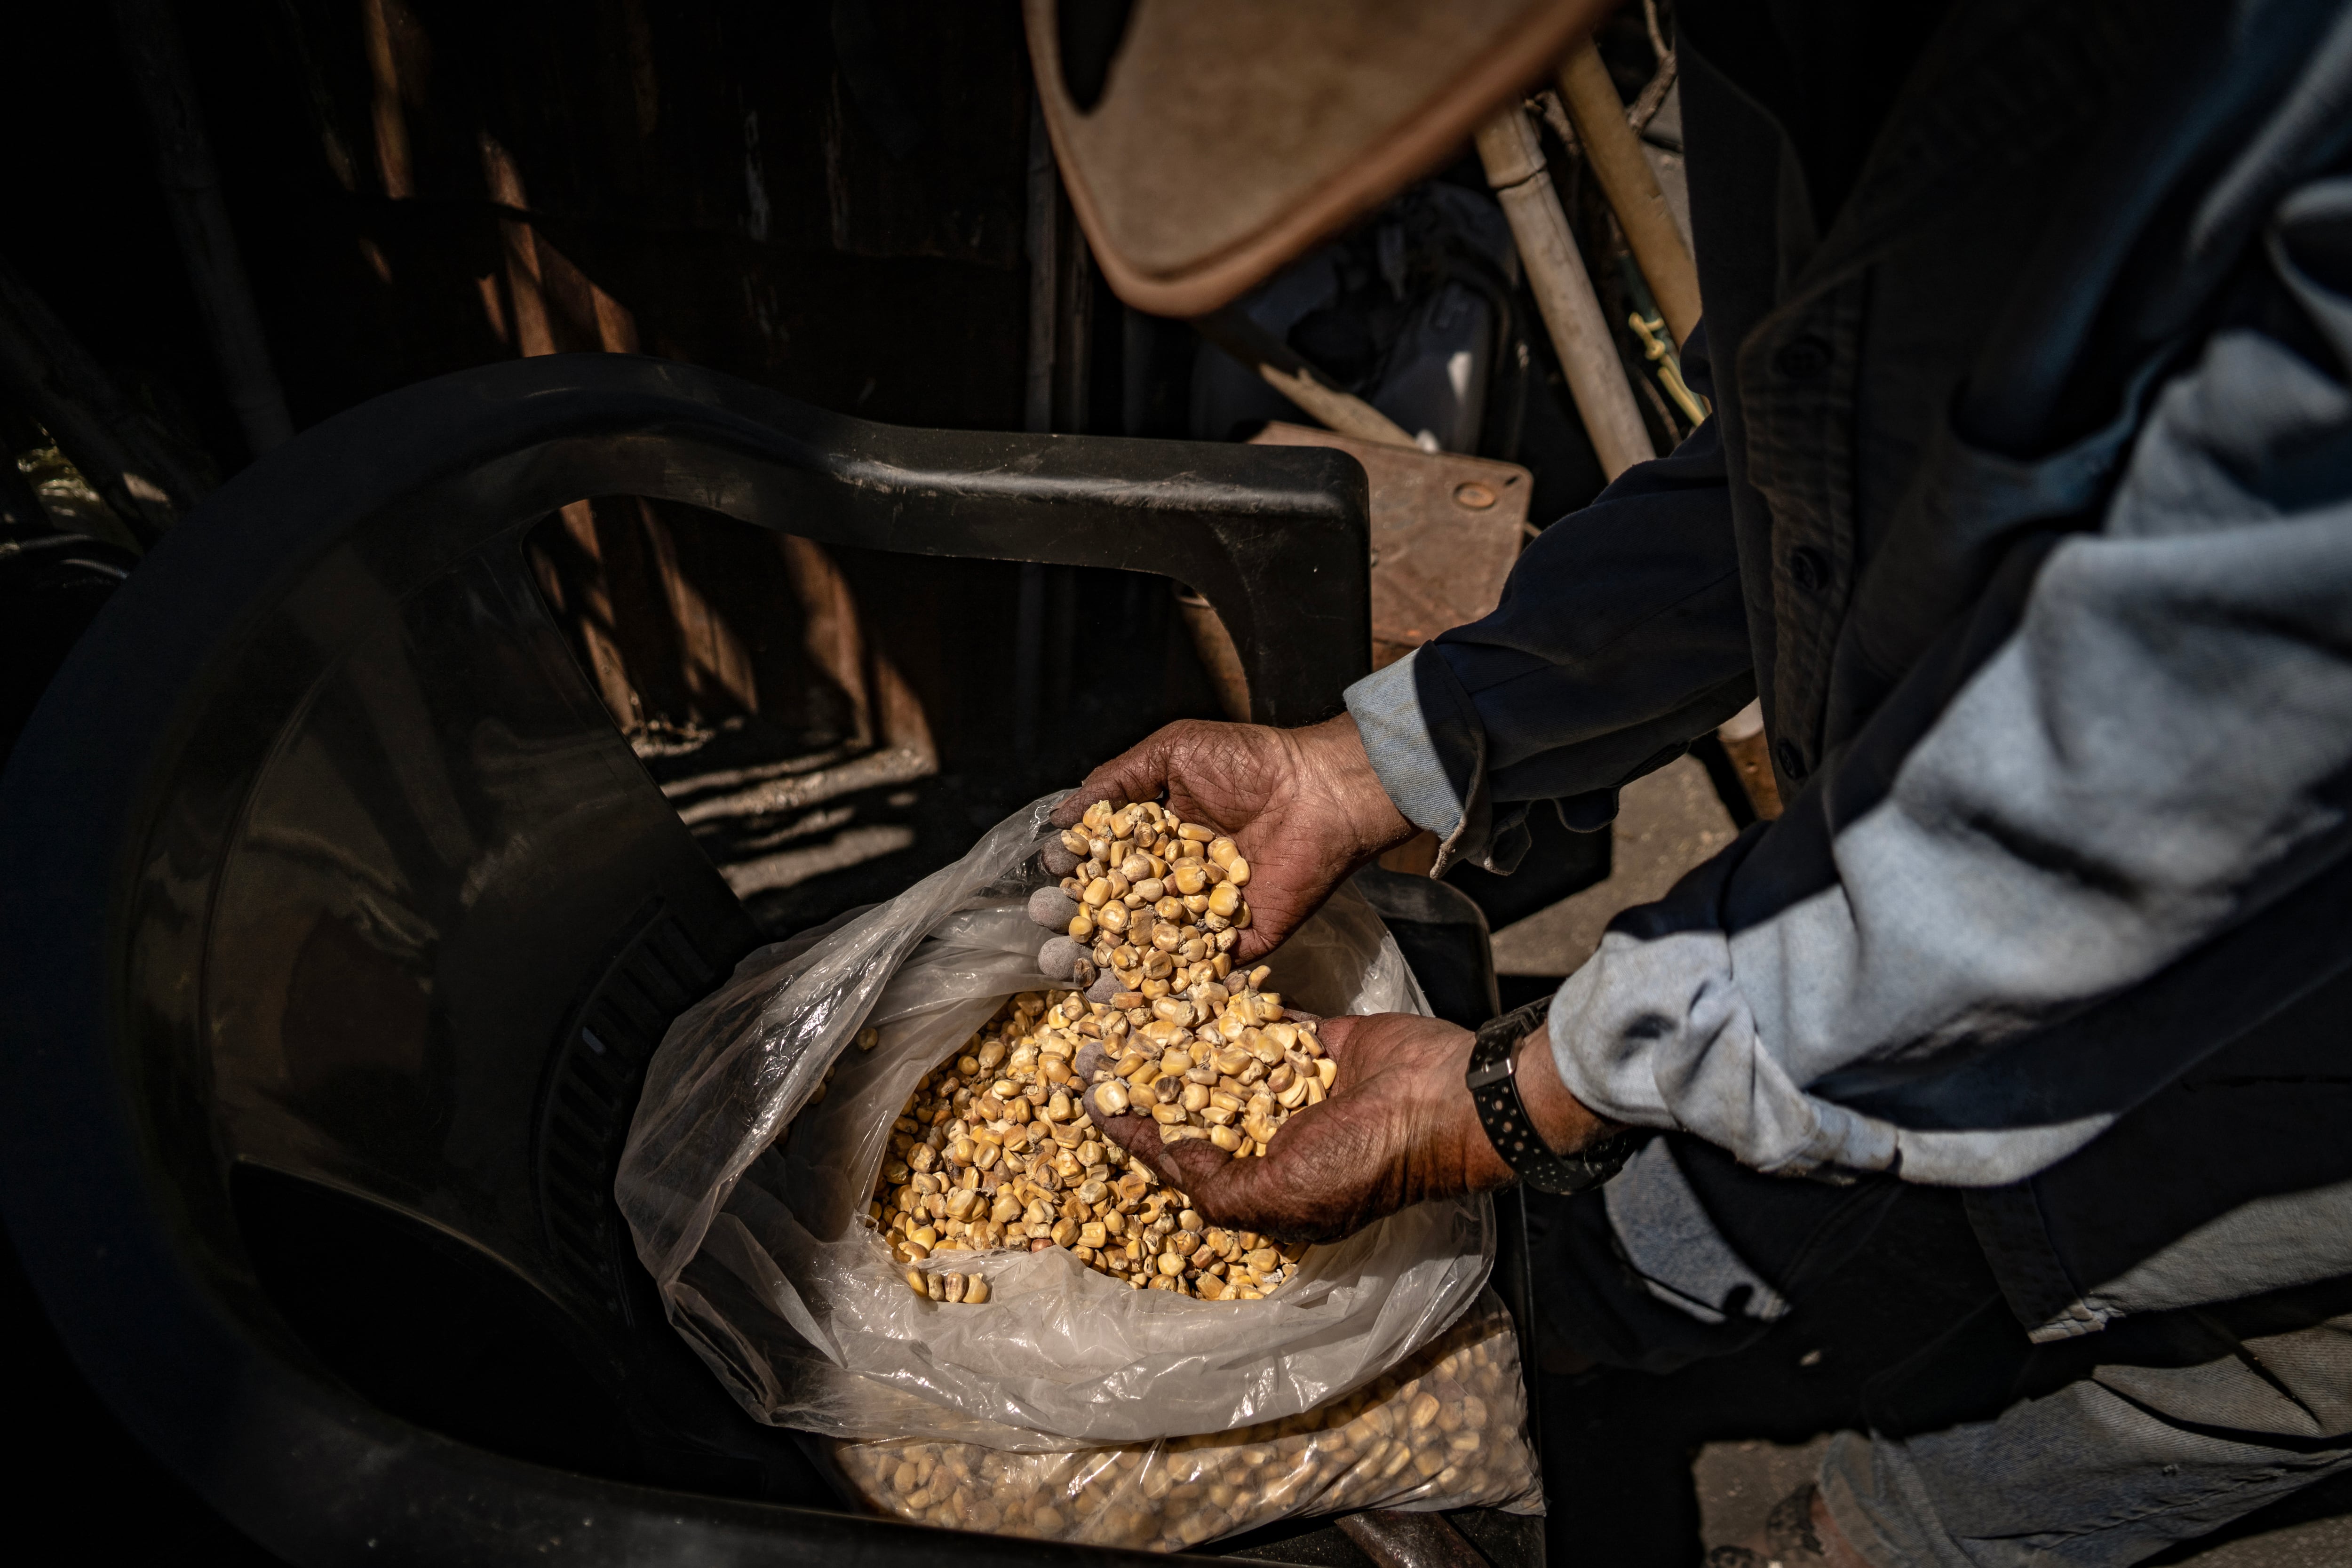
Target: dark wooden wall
[694, 180]
[825, 199]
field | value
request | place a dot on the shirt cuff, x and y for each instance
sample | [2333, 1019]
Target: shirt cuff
[1387, 709]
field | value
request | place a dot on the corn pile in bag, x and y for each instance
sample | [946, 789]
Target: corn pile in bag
[767, 1261]
[1446, 1427]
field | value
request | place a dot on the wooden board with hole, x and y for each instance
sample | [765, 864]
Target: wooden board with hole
[1445, 529]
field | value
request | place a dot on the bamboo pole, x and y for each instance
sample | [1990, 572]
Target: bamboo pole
[1632, 186]
[1563, 290]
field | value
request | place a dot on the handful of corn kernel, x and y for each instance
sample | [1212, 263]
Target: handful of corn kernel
[1162, 900]
[1154, 902]
[995, 1148]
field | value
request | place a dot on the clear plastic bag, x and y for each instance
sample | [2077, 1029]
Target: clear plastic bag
[1445, 1429]
[767, 1264]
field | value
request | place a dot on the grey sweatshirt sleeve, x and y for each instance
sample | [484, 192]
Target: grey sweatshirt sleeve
[2139, 743]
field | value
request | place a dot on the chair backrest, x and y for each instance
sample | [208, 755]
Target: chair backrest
[1445, 938]
[52, 584]
[323, 859]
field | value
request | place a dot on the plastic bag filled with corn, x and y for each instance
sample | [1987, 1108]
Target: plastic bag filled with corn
[1034, 1293]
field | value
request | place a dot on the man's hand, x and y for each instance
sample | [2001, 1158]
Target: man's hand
[1398, 1129]
[1303, 806]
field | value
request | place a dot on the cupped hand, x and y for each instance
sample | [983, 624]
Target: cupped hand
[1303, 806]
[1397, 1128]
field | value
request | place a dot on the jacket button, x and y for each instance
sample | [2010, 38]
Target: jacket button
[1809, 568]
[1807, 359]
[1792, 758]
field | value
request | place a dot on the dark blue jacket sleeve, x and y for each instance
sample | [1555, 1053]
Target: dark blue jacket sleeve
[1621, 636]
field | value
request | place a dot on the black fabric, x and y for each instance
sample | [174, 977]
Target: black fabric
[1827, 70]
[2145, 260]
[1793, 1233]
[1619, 636]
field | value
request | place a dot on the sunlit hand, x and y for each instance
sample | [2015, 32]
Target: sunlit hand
[1303, 806]
[1398, 1129]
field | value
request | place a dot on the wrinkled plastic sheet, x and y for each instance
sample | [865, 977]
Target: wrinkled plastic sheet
[767, 1265]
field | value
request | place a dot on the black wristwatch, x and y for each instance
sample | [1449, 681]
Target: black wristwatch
[1495, 1090]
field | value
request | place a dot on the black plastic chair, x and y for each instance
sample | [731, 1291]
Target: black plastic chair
[1443, 935]
[340, 922]
[52, 585]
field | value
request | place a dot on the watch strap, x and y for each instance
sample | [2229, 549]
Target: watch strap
[1493, 1081]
